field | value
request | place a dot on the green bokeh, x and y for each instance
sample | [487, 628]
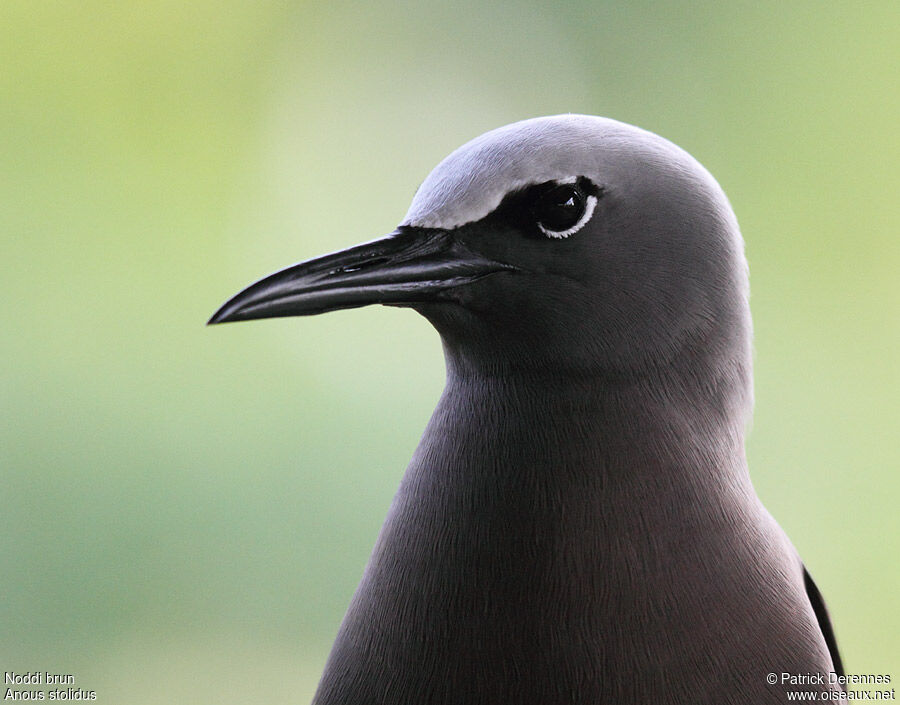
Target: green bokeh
[186, 511]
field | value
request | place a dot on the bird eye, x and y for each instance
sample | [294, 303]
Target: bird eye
[563, 210]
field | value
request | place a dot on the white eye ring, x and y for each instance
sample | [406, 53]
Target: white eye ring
[589, 205]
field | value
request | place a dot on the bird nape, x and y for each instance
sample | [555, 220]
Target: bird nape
[577, 524]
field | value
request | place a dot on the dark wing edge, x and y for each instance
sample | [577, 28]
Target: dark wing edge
[821, 611]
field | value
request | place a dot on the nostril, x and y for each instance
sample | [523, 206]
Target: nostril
[358, 266]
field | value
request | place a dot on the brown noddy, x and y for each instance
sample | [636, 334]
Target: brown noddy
[577, 524]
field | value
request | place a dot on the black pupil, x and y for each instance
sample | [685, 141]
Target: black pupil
[559, 208]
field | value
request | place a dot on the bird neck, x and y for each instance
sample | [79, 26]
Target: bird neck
[537, 506]
[659, 425]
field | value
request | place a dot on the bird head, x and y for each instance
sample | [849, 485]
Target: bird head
[572, 243]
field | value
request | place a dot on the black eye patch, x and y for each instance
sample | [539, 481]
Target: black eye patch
[550, 208]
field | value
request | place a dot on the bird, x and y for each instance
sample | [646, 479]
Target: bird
[577, 524]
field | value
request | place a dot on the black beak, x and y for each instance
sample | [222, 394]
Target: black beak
[407, 267]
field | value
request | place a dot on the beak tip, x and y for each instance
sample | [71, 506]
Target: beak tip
[220, 316]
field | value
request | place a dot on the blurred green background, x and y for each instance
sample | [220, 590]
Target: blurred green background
[186, 511]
